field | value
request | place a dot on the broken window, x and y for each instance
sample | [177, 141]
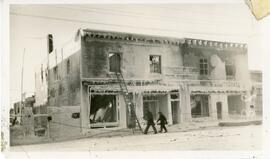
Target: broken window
[203, 66]
[68, 66]
[114, 62]
[103, 109]
[155, 63]
[199, 106]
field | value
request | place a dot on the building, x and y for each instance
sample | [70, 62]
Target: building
[256, 81]
[186, 79]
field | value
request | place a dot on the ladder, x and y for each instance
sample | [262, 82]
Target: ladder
[128, 99]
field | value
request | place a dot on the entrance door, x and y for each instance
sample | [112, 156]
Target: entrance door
[175, 110]
[219, 110]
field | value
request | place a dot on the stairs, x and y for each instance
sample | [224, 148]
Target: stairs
[129, 103]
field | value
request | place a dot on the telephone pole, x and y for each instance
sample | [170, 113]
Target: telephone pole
[22, 85]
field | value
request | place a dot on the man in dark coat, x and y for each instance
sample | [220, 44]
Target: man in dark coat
[150, 122]
[162, 122]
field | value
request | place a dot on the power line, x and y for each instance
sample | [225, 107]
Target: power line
[152, 17]
[122, 25]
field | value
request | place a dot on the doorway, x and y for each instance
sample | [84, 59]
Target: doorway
[175, 110]
[219, 110]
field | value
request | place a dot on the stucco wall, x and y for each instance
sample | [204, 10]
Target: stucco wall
[216, 61]
[62, 124]
[65, 91]
[134, 58]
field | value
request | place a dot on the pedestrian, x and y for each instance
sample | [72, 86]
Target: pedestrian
[162, 121]
[150, 122]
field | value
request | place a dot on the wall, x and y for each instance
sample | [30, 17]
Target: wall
[216, 60]
[62, 124]
[135, 57]
[66, 90]
[235, 104]
[214, 98]
[41, 87]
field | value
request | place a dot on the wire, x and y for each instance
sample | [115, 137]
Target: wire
[122, 25]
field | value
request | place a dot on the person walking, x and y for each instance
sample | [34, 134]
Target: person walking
[150, 122]
[162, 121]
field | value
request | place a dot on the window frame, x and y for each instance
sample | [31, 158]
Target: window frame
[155, 70]
[204, 66]
[120, 62]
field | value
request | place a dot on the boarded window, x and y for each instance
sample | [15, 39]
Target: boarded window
[114, 62]
[203, 66]
[155, 63]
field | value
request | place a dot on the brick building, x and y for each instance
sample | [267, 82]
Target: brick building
[186, 79]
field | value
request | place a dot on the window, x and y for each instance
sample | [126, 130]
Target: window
[68, 66]
[203, 66]
[230, 69]
[55, 73]
[103, 110]
[41, 73]
[155, 63]
[199, 105]
[114, 62]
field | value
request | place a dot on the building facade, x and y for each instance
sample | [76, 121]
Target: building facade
[256, 82]
[186, 79]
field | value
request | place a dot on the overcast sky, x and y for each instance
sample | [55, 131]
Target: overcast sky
[29, 25]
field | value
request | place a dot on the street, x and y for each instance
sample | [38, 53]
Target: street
[213, 139]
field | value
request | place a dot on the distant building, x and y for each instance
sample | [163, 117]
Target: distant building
[256, 81]
[186, 79]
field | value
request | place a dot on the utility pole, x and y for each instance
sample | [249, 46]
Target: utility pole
[22, 85]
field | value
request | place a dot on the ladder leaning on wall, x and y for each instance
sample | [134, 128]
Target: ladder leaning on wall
[128, 101]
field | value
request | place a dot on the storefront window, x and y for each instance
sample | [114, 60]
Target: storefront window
[103, 109]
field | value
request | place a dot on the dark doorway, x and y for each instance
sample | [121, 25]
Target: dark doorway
[175, 109]
[219, 110]
[115, 62]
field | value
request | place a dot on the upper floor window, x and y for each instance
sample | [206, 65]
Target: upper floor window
[114, 62]
[230, 68]
[56, 73]
[155, 63]
[203, 66]
[41, 73]
[68, 66]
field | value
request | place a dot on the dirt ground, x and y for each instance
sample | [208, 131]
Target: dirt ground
[217, 138]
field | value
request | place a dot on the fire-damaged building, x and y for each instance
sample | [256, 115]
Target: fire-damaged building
[90, 82]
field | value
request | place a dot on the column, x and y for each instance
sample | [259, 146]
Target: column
[85, 108]
[170, 120]
[185, 106]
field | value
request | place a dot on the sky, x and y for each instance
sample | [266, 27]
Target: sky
[29, 25]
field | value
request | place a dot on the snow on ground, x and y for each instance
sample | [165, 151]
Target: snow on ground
[218, 138]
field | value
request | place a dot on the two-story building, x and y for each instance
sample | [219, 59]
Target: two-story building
[186, 79]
